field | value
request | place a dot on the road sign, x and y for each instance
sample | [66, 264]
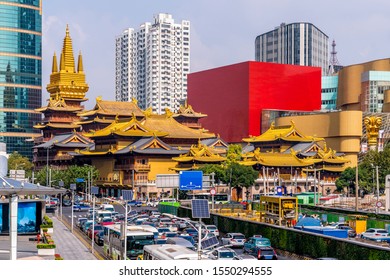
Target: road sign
[61, 183]
[191, 180]
[79, 180]
[73, 187]
[212, 191]
[378, 204]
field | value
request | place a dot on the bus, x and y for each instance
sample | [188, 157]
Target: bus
[168, 252]
[219, 198]
[137, 237]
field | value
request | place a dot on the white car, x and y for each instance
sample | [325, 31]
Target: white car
[233, 239]
[223, 254]
[212, 229]
[375, 233]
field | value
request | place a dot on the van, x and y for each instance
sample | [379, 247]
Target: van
[107, 207]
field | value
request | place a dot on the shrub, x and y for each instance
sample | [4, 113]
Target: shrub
[46, 246]
[58, 257]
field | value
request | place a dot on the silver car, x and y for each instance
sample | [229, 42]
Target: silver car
[375, 234]
[233, 239]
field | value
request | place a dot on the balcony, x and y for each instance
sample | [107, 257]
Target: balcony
[136, 167]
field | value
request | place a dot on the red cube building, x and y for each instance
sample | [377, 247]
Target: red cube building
[234, 96]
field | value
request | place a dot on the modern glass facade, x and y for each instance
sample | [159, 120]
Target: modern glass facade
[20, 73]
[374, 85]
[329, 86]
[298, 43]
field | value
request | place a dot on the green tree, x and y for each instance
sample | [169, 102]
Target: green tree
[18, 162]
[219, 171]
[68, 176]
[233, 154]
[238, 175]
[346, 179]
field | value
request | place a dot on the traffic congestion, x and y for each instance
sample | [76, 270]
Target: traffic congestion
[154, 235]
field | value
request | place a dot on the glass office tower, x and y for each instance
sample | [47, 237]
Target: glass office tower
[20, 73]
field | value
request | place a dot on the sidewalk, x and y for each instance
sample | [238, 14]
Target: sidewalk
[67, 244]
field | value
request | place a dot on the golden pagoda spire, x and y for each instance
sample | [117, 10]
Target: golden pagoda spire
[54, 68]
[62, 63]
[67, 82]
[67, 51]
[80, 66]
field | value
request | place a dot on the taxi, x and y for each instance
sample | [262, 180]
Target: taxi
[255, 242]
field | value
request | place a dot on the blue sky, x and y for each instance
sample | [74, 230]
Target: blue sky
[222, 31]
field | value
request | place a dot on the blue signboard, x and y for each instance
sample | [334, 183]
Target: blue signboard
[79, 180]
[190, 180]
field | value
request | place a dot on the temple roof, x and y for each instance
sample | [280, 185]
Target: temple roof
[56, 125]
[287, 133]
[114, 108]
[166, 123]
[152, 145]
[57, 103]
[274, 159]
[188, 112]
[69, 140]
[132, 128]
[200, 153]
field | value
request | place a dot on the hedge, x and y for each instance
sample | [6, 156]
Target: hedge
[46, 246]
[296, 241]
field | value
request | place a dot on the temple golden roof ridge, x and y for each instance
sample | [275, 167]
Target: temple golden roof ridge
[200, 153]
[113, 108]
[132, 128]
[287, 133]
[167, 123]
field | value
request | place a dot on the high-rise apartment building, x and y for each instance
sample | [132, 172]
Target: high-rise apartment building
[152, 64]
[298, 43]
[20, 73]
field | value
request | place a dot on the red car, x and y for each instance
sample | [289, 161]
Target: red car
[97, 229]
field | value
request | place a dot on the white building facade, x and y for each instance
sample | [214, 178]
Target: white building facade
[152, 64]
[295, 43]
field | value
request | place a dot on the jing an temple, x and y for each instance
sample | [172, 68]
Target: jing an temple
[130, 146]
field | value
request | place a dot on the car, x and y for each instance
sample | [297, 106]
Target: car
[106, 221]
[171, 234]
[213, 229]
[81, 207]
[181, 242]
[191, 232]
[244, 257]
[162, 231]
[99, 238]
[223, 254]
[152, 203]
[97, 229]
[233, 239]
[86, 225]
[351, 231]
[264, 253]
[79, 221]
[255, 242]
[188, 238]
[336, 225]
[135, 203]
[374, 233]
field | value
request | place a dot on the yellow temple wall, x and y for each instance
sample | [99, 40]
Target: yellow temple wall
[342, 131]
[160, 166]
[105, 167]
